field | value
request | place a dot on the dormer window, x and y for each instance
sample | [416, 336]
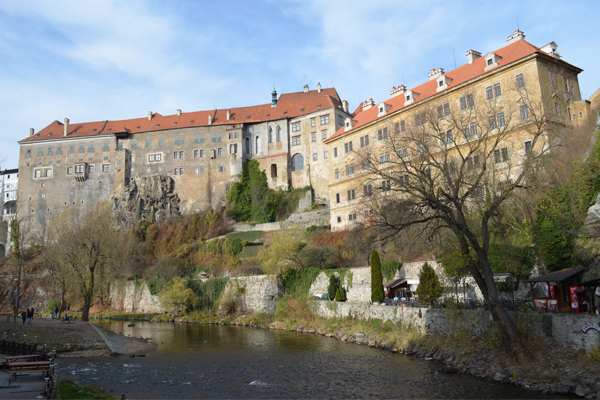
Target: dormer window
[441, 83]
[491, 60]
[408, 97]
[380, 109]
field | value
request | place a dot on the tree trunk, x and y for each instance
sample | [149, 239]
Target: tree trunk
[85, 313]
[62, 299]
[18, 292]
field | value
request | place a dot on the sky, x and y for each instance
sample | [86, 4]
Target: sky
[96, 60]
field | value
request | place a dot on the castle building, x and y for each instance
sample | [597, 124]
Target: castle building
[192, 157]
[506, 90]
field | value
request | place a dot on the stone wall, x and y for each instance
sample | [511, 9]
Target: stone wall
[297, 220]
[567, 330]
[357, 283]
[254, 293]
[134, 299]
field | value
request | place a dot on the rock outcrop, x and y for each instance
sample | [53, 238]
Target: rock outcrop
[147, 198]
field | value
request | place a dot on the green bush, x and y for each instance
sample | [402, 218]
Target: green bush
[234, 246]
[376, 278]
[297, 282]
[208, 292]
[251, 236]
[332, 290]
[430, 288]
[51, 304]
[155, 286]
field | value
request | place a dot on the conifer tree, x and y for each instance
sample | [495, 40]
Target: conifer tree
[376, 278]
[338, 294]
[429, 289]
[343, 294]
[333, 287]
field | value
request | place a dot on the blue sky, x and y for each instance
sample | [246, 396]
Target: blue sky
[95, 60]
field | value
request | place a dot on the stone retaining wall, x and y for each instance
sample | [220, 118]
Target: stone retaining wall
[254, 293]
[297, 220]
[567, 330]
[134, 299]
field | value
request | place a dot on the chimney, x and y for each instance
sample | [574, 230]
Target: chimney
[149, 115]
[368, 104]
[305, 88]
[228, 115]
[473, 55]
[345, 106]
[435, 73]
[178, 112]
[31, 131]
[210, 119]
[396, 91]
[516, 36]
[319, 87]
[66, 126]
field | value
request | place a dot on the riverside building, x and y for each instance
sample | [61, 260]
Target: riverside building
[200, 153]
[507, 90]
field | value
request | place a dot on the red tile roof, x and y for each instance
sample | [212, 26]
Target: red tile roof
[289, 105]
[509, 54]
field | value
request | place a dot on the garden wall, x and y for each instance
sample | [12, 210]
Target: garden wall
[134, 297]
[254, 293]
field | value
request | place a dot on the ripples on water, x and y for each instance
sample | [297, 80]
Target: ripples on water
[211, 361]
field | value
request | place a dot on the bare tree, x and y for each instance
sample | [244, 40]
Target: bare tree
[454, 169]
[60, 273]
[90, 243]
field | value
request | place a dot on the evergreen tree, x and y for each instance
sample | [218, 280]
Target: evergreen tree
[429, 289]
[376, 278]
[333, 287]
[338, 294]
[251, 198]
[343, 294]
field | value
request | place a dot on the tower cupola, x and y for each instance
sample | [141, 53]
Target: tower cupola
[274, 98]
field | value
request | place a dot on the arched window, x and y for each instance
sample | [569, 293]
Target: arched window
[297, 162]
[273, 170]
[247, 145]
[279, 134]
[257, 146]
[270, 135]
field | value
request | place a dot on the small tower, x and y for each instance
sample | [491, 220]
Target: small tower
[274, 98]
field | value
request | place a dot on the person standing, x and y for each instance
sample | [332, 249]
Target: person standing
[29, 315]
[23, 315]
[55, 314]
[32, 311]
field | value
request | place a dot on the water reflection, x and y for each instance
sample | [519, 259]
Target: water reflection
[214, 361]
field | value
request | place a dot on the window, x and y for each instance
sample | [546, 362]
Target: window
[402, 126]
[79, 169]
[386, 185]
[492, 121]
[501, 122]
[176, 171]
[335, 151]
[201, 169]
[295, 140]
[37, 173]
[444, 110]
[297, 162]
[364, 141]
[257, 144]
[403, 152]
[271, 137]
[473, 129]
[446, 138]
[314, 156]
[196, 170]
[489, 93]
[553, 78]
[175, 155]
[220, 151]
[148, 144]
[161, 143]
[216, 137]
[351, 194]
[119, 145]
[81, 149]
[337, 197]
[296, 127]
[40, 152]
[404, 180]
[181, 154]
[28, 154]
[466, 102]
[323, 135]
[133, 144]
[247, 145]
[382, 134]
[470, 102]
[198, 139]
[180, 171]
[313, 137]
[313, 123]
[179, 140]
[72, 148]
[325, 155]
[527, 147]
[201, 153]
[278, 134]
[105, 168]
[473, 162]
[463, 103]
[91, 169]
[501, 155]
[69, 170]
[397, 127]
[324, 119]
[340, 120]
[368, 190]
[347, 147]
[520, 81]
[59, 151]
[497, 90]
[349, 169]
[465, 130]
[339, 219]
[420, 119]
[524, 112]
[196, 153]
[337, 173]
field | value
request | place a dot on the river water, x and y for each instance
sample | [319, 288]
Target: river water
[215, 361]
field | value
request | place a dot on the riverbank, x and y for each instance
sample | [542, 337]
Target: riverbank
[547, 368]
[72, 339]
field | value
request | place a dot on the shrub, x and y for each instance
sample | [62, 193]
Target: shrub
[389, 269]
[208, 292]
[51, 304]
[297, 282]
[177, 295]
[333, 287]
[376, 278]
[429, 289]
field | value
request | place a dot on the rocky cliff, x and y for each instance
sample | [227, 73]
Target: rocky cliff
[147, 198]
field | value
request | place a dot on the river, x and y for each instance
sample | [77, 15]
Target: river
[215, 361]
